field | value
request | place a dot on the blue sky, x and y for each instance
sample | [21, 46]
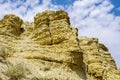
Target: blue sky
[93, 18]
[116, 9]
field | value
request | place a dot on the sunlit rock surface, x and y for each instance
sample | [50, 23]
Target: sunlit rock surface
[50, 49]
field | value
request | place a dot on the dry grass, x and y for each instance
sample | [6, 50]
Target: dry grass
[16, 71]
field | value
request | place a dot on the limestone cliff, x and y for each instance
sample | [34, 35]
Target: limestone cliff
[50, 49]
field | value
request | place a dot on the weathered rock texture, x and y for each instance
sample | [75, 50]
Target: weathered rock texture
[50, 49]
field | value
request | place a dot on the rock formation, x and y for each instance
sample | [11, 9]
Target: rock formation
[50, 49]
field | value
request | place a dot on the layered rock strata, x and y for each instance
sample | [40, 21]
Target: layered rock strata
[97, 59]
[50, 49]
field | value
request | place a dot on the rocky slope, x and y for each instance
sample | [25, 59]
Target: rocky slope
[50, 49]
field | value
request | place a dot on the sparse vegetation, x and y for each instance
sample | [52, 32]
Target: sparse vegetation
[3, 52]
[16, 71]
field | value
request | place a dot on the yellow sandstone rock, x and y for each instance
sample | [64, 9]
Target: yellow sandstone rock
[10, 24]
[50, 49]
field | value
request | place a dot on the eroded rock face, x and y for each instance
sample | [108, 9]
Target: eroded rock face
[50, 49]
[11, 24]
[97, 59]
[52, 27]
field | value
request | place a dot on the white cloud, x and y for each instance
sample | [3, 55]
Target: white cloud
[96, 21]
[91, 17]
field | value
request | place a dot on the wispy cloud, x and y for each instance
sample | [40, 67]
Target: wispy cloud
[92, 18]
